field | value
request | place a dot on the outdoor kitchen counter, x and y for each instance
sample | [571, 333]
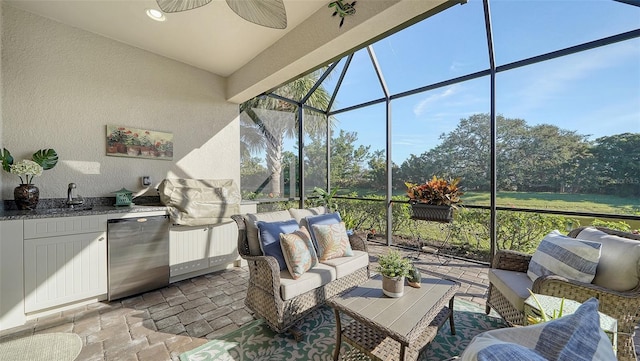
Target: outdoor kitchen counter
[6, 215]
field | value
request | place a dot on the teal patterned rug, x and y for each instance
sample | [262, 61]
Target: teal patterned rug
[255, 341]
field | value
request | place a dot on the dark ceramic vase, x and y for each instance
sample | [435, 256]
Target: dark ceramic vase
[26, 196]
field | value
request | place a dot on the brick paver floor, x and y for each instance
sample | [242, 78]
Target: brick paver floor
[162, 324]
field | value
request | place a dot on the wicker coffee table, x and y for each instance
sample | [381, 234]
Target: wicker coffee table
[387, 328]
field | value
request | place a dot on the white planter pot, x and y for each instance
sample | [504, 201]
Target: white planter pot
[393, 286]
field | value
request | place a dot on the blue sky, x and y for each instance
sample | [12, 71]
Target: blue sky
[595, 93]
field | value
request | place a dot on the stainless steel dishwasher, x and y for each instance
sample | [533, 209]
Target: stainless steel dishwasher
[138, 255]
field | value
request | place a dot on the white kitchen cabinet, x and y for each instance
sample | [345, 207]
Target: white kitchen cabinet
[11, 274]
[65, 260]
[197, 248]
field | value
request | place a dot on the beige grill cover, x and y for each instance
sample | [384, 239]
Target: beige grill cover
[195, 202]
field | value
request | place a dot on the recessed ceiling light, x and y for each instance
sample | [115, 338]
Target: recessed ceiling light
[156, 15]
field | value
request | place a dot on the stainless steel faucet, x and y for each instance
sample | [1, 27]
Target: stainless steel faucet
[70, 200]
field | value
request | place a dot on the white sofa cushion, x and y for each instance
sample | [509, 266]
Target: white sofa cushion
[347, 265]
[300, 215]
[513, 285]
[619, 266]
[252, 229]
[572, 258]
[317, 276]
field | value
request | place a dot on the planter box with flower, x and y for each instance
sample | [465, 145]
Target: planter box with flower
[26, 195]
[434, 200]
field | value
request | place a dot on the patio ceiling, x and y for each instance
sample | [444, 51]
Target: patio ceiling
[252, 58]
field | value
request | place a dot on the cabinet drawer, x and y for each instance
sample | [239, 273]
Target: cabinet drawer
[61, 226]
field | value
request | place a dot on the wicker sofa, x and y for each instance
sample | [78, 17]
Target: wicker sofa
[273, 294]
[509, 284]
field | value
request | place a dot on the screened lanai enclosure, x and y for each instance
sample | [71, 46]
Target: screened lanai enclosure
[534, 105]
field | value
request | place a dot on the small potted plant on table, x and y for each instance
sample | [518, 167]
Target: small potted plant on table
[393, 268]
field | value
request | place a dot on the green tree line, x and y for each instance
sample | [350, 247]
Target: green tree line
[538, 158]
[530, 158]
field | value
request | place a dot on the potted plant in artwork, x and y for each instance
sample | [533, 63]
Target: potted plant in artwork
[168, 149]
[27, 195]
[393, 268]
[116, 140]
[434, 200]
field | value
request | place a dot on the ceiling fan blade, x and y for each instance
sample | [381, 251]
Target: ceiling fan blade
[269, 13]
[174, 6]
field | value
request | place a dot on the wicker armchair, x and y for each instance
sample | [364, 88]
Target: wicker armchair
[624, 306]
[263, 291]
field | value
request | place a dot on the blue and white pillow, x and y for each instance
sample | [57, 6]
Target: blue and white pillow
[571, 258]
[575, 337]
[269, 237]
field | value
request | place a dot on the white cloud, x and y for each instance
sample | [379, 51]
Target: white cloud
[547, 80]
[423, 105]
[456, 66]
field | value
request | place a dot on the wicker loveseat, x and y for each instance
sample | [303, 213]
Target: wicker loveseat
[273, 294]
[620, 258]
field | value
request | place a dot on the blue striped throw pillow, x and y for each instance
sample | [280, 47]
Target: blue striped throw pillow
[575, 337]
[572, 258]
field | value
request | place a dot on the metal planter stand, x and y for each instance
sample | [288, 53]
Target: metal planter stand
[439, 214]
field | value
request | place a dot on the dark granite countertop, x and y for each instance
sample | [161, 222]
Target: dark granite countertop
[49, 208]
[78, 211]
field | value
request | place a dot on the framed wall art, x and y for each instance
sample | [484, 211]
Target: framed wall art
[139, 143]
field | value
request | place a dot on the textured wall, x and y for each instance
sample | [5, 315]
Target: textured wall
[61, 86]
[1, 92]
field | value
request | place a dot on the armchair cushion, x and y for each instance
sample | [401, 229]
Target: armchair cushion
[298, 252]
[269, 236]
[574, 259]
[619, 266]
[513, 285]
[573, 337]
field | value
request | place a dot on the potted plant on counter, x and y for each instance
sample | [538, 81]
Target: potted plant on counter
[434, 200]
[393, 268]
[27, 195]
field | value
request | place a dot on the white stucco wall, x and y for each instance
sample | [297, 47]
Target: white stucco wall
[1, 92]
[61, 86]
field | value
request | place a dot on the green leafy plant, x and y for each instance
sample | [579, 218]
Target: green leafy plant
[617, 225]
[7, 159]
[393, 264]
[544, 317]
[46, 158]
[43, 159]
[325, 198]
[437, 192]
